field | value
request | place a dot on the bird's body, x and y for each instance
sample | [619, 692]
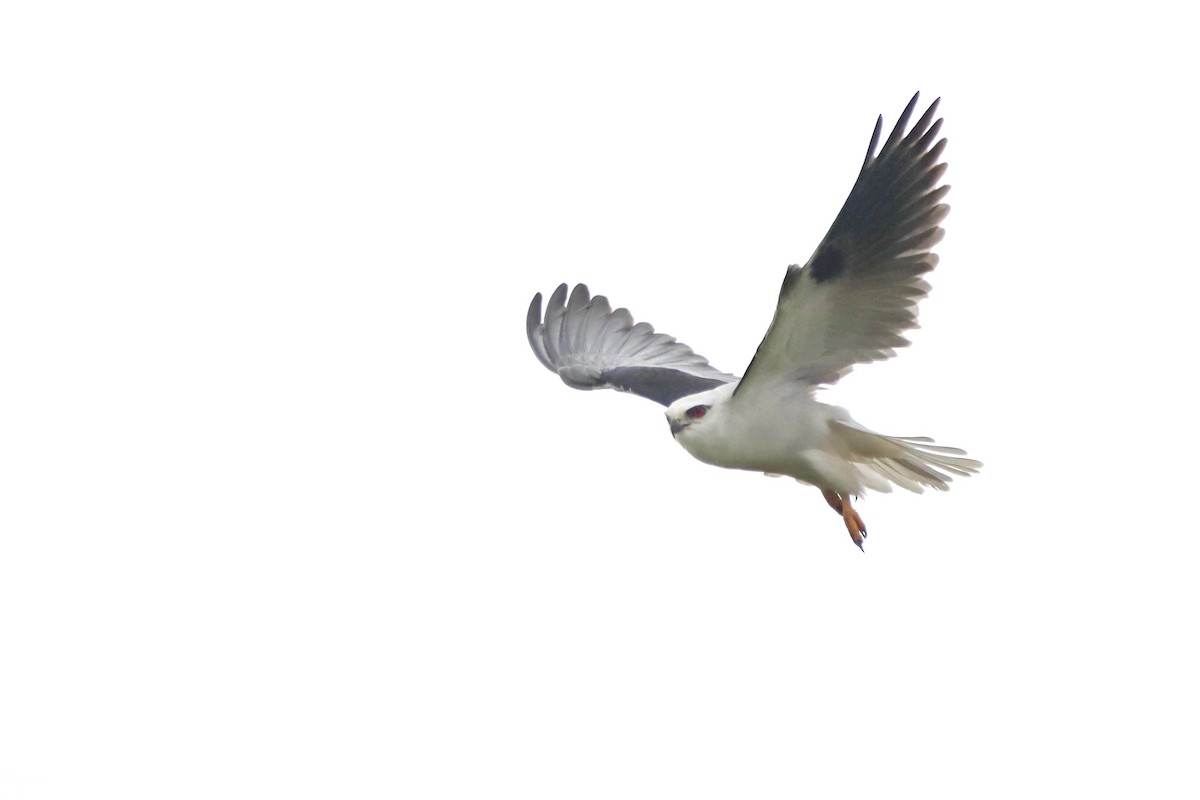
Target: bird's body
[849, 304]
[792, 435]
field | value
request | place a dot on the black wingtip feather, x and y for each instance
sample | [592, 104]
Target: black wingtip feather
[927, 116]
[874, 142]
[901, 124]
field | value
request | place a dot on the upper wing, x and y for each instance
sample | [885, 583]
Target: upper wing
[859, 291]
[591, 346]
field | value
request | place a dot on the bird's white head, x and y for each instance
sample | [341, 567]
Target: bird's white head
[688, 415]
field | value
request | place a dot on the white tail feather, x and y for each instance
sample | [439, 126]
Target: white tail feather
[911, 462]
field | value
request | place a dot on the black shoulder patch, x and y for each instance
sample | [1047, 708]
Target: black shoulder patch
[660, 384]
[827, 263]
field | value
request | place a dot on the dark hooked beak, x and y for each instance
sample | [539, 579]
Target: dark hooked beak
[676, 426]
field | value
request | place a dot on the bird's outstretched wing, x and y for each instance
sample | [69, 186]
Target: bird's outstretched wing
[859, 292]
[590, 346]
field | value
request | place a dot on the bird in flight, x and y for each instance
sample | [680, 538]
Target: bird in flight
[848, 305]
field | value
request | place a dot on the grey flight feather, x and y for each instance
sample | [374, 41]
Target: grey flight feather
[591, 346]
[859, 292]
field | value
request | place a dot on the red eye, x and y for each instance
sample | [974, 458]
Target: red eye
[696, 412]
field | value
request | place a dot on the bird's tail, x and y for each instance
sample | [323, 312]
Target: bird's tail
[912, 462]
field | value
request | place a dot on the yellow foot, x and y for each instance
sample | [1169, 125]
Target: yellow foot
[841, 504]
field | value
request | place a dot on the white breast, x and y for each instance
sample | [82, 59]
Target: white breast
[790, 436]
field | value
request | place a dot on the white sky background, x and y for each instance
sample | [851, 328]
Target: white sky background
[288, 508]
